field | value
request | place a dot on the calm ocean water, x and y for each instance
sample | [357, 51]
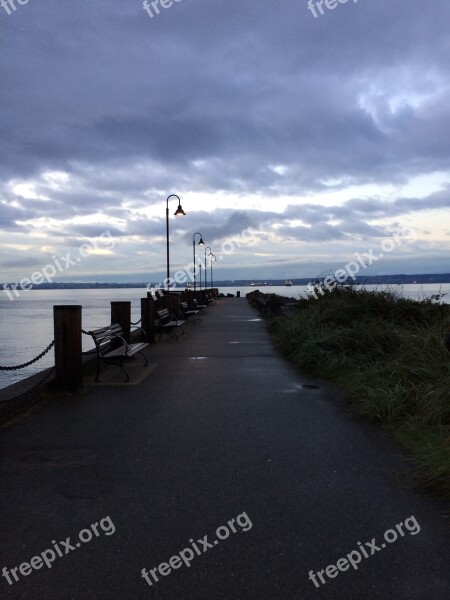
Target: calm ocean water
[27, 322]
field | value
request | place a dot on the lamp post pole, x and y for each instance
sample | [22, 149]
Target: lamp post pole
[200, 243]
[177, 213]
[212, 282]
[206, 278]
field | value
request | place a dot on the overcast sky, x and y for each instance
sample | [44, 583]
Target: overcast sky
[325, 136]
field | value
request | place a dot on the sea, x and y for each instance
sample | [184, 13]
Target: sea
[26, 323]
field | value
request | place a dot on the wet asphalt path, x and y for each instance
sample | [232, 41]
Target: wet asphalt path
[221, 427]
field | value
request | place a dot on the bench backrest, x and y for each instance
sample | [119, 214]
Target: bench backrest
[163, 314]
[103, 336]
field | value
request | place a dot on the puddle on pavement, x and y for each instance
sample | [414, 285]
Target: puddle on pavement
[292, 390]
[252, 342]
[296, 387]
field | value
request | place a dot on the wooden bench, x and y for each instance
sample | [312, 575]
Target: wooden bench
[112, 349]
[188, 312]
[197, 305]
[168, 323]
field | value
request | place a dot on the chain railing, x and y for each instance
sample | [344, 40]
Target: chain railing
[30, 362]
[27, 364]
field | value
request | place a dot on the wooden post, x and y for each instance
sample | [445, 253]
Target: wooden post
[176, 305]
[68, 364]
[121, 313]
[148, 318]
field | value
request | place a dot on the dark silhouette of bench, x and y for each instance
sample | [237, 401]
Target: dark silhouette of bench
[188, 312]
[168, 323]
[113, 350]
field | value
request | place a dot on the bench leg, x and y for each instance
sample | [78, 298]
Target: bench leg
[144, 357]
[127, 377]
[111, 364]
[100, 368]
[176, 334]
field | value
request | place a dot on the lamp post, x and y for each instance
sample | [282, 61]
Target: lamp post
[211, 262]
[179, 212]
[200, 243]
[210, 254]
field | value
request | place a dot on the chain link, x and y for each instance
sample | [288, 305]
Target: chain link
[30, 362]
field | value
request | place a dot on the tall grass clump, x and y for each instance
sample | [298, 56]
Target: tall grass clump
[389, 354]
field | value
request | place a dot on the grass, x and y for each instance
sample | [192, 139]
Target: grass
[388, 353]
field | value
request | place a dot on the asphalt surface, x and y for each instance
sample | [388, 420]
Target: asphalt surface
[221, 429]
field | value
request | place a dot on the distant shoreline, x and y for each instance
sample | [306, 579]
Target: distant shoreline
[399, 279]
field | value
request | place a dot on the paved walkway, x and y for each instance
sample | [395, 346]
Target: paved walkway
[221, 429]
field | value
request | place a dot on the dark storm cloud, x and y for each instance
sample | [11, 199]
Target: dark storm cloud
[434, 201]
[10, 215]
[220, 80]
[217, 227]
[254, 97]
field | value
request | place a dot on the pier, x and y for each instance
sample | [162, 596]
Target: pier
[217, 426]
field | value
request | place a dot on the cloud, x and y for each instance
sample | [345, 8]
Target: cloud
[313, 131]
[10, 214]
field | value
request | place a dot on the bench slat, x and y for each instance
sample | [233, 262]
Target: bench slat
[130, 351]
[108, 331]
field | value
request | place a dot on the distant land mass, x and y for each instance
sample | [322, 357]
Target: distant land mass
[360, 280]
